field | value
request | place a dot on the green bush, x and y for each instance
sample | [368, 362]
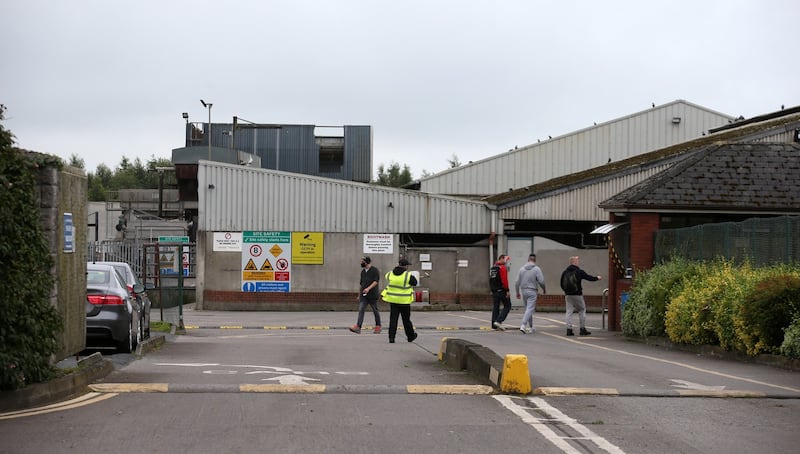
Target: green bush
[768, 311]
[733, 285]
[29, 322]
[791, 340]
[703, 312]
[688, 315]
[650, 294]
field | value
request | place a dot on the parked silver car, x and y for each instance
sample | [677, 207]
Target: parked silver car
[113, 314]
[144, 301]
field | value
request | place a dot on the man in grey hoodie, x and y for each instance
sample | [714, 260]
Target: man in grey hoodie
[529, 279]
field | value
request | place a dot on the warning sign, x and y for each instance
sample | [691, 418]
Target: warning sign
[266, 279]
[307, 248]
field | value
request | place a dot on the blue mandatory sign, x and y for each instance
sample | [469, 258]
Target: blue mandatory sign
[249, 287]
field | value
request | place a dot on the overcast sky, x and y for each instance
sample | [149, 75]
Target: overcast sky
[105, 79]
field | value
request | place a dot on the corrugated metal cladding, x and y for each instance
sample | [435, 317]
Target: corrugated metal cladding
[244, 198]
[578, 204]
[293, 148]
[358, 153]
[786, 136]
[625, 137]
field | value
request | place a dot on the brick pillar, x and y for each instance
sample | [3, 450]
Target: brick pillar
[643, 227]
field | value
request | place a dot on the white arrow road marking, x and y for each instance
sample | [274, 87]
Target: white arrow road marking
[290, 379]
[683, 384]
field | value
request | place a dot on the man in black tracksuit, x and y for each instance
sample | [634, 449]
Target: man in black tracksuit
[573, 291]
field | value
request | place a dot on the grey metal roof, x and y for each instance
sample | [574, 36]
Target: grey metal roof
[731, 177]
[745, 133]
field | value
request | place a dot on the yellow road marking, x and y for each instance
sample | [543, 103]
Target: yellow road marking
[130, 387]
[84, 400]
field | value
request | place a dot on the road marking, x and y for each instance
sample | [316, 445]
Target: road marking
[86, 399]
[675, 363]
[683, 384]
[291, 379]
[130, 387]
[554, 417]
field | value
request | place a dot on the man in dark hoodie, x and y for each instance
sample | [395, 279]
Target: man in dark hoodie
[498, 284]
[571, 285]
[399, 293]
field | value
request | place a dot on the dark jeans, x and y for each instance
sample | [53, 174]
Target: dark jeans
[403, 310]
[363, 301]
[500, 296]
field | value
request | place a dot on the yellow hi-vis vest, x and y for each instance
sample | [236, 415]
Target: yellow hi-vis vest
[398, 289]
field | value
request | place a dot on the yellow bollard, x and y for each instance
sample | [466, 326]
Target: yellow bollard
[516, 378]
[442, 347]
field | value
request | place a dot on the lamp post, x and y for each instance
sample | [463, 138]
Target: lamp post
[208, 105]
[185, 116]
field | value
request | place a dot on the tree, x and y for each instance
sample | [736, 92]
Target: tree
[76, 161]
[454, 161]
[394, 176]
[104, 182]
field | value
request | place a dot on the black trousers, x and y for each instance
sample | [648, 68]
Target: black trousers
[500, 297]
[403, 310]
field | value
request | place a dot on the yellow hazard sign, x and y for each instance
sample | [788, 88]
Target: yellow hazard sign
[251, 266]
[266, 266]
[276, 250]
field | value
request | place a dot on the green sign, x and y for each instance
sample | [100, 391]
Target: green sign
[266, 237]
[173, 239]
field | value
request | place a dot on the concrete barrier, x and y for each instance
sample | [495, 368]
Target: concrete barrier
[508, 375]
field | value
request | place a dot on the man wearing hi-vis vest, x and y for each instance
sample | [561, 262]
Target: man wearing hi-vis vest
[399, 293]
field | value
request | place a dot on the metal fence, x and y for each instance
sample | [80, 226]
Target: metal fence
[166, 269]
[762, 241]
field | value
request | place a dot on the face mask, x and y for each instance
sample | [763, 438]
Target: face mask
[363, 264]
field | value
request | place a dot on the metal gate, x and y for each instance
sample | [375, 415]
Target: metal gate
[167, 270]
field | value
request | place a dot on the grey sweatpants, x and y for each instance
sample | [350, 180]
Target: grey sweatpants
[575, 303]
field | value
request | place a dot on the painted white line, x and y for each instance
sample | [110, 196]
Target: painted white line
[555, 416]
[675, 363]
[86, 399]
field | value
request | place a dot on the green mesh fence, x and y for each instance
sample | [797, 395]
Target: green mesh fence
[762, 241]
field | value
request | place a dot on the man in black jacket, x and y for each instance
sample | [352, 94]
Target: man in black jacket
[573, 291]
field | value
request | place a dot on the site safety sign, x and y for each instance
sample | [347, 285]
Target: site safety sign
[266, 261]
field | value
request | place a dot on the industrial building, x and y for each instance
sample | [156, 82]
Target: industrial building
[446, 225]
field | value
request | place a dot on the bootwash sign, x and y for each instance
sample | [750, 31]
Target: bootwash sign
[266, 261]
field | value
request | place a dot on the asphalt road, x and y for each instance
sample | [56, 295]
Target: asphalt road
[213, 390]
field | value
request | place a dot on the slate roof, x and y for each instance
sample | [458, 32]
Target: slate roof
[728, 176]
